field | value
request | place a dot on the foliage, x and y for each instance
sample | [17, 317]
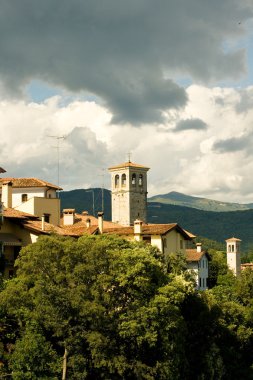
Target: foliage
[217, 267]
[112, 307]
[107, 301]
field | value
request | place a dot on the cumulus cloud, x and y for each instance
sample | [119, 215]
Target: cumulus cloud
[212, 163]
[190, 124]
[125, 53]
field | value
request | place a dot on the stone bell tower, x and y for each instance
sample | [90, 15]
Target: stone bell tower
[129, 193]
[234, 255]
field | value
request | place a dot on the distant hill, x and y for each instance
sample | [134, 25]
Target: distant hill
[82, 200]
[179, 199]
[213, 225]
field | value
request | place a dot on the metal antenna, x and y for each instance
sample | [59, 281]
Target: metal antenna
[129, 156]
[103, 185]
[58, 139]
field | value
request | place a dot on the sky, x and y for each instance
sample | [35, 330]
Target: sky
[84, 83]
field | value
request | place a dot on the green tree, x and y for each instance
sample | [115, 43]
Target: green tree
[217, 267]
[105, 302]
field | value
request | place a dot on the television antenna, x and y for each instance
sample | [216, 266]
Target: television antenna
[103, 185]
[57, 147]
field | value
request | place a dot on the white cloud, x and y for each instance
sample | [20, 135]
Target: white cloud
[197, 162]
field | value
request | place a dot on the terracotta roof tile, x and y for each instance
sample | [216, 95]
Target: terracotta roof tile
[12, 213]
[192, 255]
[128, 165]
[29, 182]
[147, 229]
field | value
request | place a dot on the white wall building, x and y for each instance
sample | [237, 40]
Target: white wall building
[33, 196]
[198, 262]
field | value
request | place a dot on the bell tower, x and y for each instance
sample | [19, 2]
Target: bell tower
[129, 193]
[234, 255]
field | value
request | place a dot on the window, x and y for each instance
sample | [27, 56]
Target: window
[233, 248]
[16, 251]
[200, 282]
[181, 244]
[117, 180]
[24, 197]
[123, 180]
[47, 218]
[134, 179]
[140, 179]
[147, 239]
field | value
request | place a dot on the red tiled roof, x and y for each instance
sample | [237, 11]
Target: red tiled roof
[12, 213]
[128, 165]
[147, 229]
[192, 255]
[29, 182]
[80, 220]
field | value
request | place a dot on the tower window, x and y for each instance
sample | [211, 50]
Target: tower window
[117, 180]
[24, 197]
[134, 179]
[123, 180]
[140, 179]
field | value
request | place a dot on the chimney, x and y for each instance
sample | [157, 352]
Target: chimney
[100, 221]
[137, 229]
[7, 194]
[199, 247]
[68, 216]
[88, 222]
[43, 222]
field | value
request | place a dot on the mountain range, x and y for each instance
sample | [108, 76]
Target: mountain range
[179, 199]
[203, 217]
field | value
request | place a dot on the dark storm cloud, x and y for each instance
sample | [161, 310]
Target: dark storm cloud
[246, 101]
[234, 144]
[120, 50]
[190, 124]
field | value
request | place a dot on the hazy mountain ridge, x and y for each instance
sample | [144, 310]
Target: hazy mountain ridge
[206, 204]
[210, 224]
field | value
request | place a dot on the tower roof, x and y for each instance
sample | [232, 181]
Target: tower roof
[128, 164]
[233, 239]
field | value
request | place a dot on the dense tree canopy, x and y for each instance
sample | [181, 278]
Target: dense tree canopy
[101, 307]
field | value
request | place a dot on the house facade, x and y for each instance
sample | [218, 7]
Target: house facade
[198, 263]
[33, 196]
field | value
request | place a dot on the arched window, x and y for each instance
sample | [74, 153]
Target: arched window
[134, 179]
[123, 180]
[140, 179]
[117, 180]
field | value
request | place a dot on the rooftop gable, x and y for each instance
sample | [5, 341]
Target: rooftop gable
[28, 182]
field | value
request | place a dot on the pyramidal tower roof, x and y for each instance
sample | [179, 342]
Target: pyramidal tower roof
[128, 164]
